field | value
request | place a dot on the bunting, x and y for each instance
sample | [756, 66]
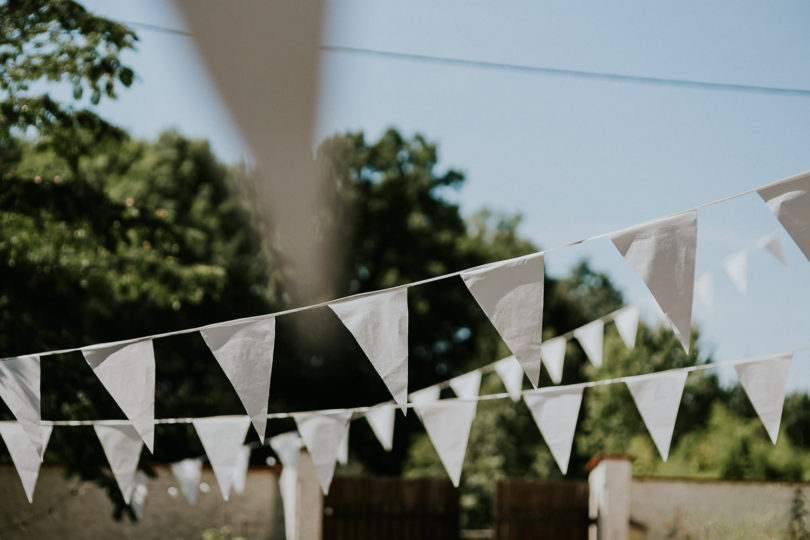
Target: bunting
[287, 447]
[553, 352]
[222, 437]
[704, 285]
[467, 386]
[789, 201]
[24, 454]
[240, 469]
[555, 412]
[122, 445]
[765, 381]
[658, 397]
[379, 323]
[773, 245]
[343, 448]
[626, 321]
[20, 390]
[736, 266]
[591, 337]
[188, 473]
[128, 374]
[381, 419]
[662, 253]
[511, 294]
[511, 374]
[448, 423]
[245, 353]
[322, 434]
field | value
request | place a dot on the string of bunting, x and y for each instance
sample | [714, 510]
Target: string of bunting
[510, 292]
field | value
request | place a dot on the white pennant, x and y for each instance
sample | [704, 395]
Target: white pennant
[468, 385]
[24, 454]
[626, 321]
[662, 253]
[343, 449]
[511, 294]
[773, 244]
[658, 397]
[789, 200]
[322, 434]
[447, 423]
[555, 413]
[19, 388]
[188, 473]
[287, 447]
[245, 353]
[736, 266]
[140, 490]
[379, 323]
[122, 445]
[240, 469]
[704, 285]
[592, 338]
[381, 419]
[511, 374]
[764, 381]
[425, 395]
[222, 437]
[553, 352]
[128, 374]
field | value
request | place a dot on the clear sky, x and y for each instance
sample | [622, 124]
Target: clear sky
[575, 157]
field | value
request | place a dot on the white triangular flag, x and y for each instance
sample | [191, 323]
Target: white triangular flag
[425, 395]
[773, 244]
[379, 323]
[764, 381]
[24, 454]
[381, 419]
[128, 374]
[222, 437]
[343, 449]
[662, 253]
[555, 412]
[447, 423]
[19, 389]
[122, 445]
[553, 352]
[140, 491]
[736, 266]
[658, 397]
[592, 337]
[245, 353]
[322, 434]
[626, 321]
[468, 385]
[240, 469]
[789, 200]
[704, 285]
[511, 294]
[287, 447]
[188, 473]
[511, 374]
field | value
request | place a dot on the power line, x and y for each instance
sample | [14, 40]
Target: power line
[541, 70]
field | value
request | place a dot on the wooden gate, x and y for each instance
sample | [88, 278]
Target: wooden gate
[391, 508]
[535, 509]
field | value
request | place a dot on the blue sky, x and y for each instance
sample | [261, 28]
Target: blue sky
[575, 157]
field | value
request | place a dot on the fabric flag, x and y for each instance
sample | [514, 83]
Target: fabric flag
[122, 445]
[287, 447]
[773, 244]
[222, 437]
[511, 294]
[662, 253]
[764, 381]
[322, 434]
[245, 353]
[140, 490]
[626, 321]
[19, 389]
[448, 423]
[128, 374]
[658, 397]
[592, 338]
[736, 266]
[188, 473]
[555, 412]
[425, 395]
[240, 469]
[343, 449]
[379, 323]
[704, 285]
[468, 385]
[553, 352]
[789, 200]
[511, 374]
[24, 453]
[381, 419]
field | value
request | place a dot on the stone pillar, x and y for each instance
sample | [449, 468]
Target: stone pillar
[309, 500]
[609, 486]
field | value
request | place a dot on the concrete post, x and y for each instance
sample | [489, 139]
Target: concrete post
[609, 483]
[309, 500]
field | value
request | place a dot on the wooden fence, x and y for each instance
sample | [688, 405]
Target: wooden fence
[391, 508]
[535, 509]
